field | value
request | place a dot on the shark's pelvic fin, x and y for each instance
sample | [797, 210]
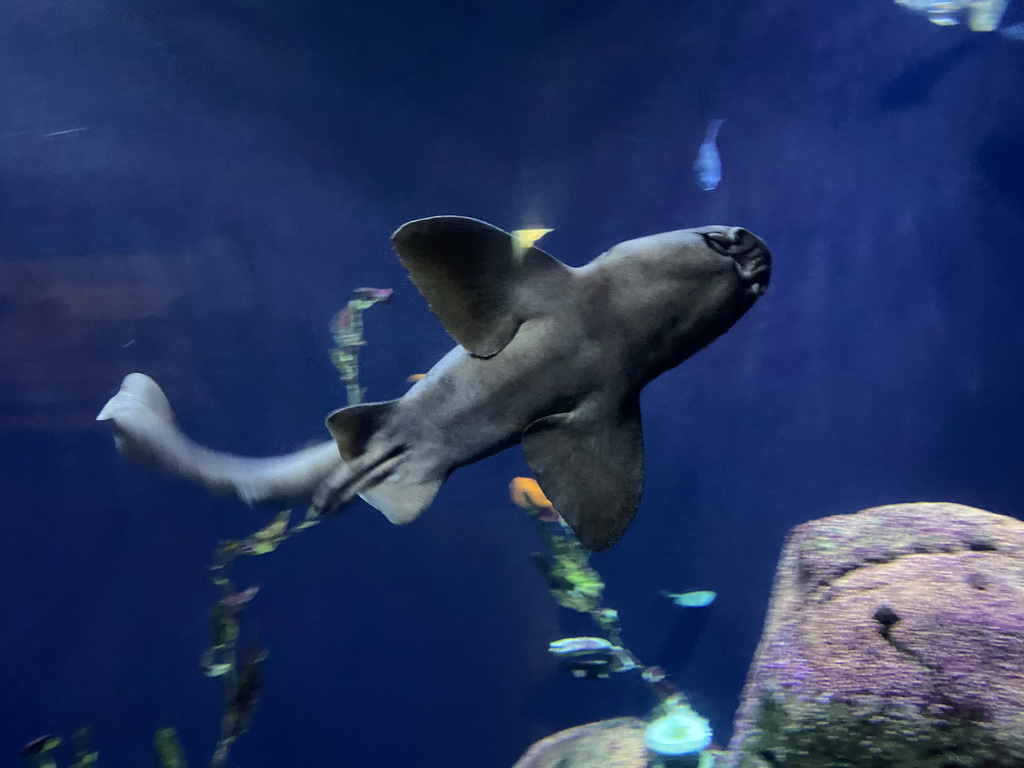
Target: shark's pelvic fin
[390, 483]
[473, 276]
[590, 464]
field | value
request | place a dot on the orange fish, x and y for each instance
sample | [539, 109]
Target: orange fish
[415, 377]
[527, 494]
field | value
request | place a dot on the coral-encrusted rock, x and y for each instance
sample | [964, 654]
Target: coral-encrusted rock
[895, 637]
[615, 743]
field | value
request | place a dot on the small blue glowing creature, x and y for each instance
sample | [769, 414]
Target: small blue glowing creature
[708, 165]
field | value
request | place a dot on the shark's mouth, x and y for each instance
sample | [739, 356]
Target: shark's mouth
[752, 257]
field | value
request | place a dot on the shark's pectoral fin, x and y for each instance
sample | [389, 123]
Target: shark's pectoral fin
[474, 277]
[591, 466]
[390, 483]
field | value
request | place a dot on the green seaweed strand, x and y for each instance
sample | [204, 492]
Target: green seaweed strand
[242, 681]
[347, 330]
[575, 584]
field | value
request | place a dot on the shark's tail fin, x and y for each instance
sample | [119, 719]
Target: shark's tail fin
[385, 475]
[144, 428]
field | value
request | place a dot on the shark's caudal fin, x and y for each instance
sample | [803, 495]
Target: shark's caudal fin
[143, 425]
[387, 481]
[590, 464]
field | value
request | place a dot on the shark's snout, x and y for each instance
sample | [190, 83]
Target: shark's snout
[752, 257]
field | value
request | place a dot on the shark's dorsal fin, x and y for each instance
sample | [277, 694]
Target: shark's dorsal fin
[473, 277]
[401, 496]
[353, 426]
[590, 464]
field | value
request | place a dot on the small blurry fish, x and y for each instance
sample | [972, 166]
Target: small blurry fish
[41, 745]
[374, 294]
[588, 656]
[526, 493]
[589, 668]
[580, 646]
[237, 599]
[1016, 32]
[697, 599]
[416, 377]
[981, 15]
[654, 674]
[708, 165]
[65, 132]
[524, 239]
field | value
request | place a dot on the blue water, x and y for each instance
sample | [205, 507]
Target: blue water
[192, 189]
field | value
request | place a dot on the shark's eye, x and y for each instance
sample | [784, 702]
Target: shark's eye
[734, 243]
[718, 242]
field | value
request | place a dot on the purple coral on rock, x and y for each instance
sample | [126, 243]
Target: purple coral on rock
[895, 637]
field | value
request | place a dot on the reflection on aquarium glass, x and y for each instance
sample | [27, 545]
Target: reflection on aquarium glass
[538, 385]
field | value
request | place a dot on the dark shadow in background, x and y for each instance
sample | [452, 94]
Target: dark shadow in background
[677, 650]
[562, 701]
[1001, 160]
[915, 84]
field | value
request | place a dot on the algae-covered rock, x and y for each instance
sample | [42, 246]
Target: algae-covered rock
[617, 743]
[894, 637]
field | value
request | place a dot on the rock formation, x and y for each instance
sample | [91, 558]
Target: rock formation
[894, 637]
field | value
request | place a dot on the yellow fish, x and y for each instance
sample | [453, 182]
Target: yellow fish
[524, 239]
[415, 377]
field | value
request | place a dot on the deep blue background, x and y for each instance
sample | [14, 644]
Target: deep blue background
[240, 168]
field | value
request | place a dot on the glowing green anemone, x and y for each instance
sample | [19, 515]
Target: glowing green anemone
[679, 732]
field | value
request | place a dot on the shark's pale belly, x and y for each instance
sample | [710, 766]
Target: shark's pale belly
[467, 407]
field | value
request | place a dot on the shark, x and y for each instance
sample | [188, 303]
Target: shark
[548, 356]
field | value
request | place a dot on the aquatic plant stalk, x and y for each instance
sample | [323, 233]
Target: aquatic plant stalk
[242, 682]
[576, 585]
[347, 329]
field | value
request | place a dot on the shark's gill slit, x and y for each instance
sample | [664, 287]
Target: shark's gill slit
[375, 474]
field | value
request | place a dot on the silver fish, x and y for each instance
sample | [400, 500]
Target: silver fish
[708, 165]
[697, 599]
[576, 646]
